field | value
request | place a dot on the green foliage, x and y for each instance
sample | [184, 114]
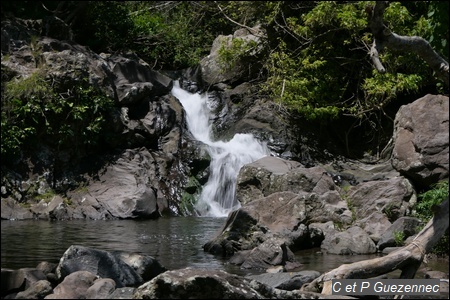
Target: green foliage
[424, 211]
[442, 246]
[21, 112]
[427, 200]
[351, 206]
[189, 197]
[385, 87]
[307, 76]
[175, 37]
[317, 63]
[390, 211]
[399, 238]
[32, 111]
[49, 196]
[46, 197]
[437, 33]
[325, 72]
[105, 26]
[297, 83]
[239, 50]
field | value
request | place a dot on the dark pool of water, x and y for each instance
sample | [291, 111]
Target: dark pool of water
[175, 242]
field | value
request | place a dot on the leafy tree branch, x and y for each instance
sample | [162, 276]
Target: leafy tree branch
[384, 37]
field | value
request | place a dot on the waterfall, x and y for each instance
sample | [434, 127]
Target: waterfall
[217, 198]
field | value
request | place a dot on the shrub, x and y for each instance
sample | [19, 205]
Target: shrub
[32, 111]
[424, 211]
[435, 196]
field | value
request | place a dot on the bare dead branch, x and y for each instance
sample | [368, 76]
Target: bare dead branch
[374, 55]
[407, 258]
[251, 30]
[158, 6]
[383, 37]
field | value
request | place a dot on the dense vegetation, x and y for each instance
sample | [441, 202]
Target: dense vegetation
[316, 62]
[33, 110]
[424, 210]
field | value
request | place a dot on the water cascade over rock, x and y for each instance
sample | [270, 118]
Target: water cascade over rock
[227, 157]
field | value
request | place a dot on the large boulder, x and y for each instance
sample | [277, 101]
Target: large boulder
[404, 226]
[108, 265]
[215, 70]
[37, 290]
[349, 242]
[273, 252]
[271, 174]
[146, 266]
[421, 140]
[74, 286]
[125, 189]
[212, 284]
[266, 225]
[135, 80]
[19, 280]
[12, 210]
[394, 198]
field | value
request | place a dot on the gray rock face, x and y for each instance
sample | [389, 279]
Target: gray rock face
[407, 226]
[105, 265]
[135, 81]
[213, 71]
[37, 290]
[212, 284]
[11, 210]
[101, 289]
[145, 115]
[270, 174]
[349, 242]
[146, 266]
[303, 207]
[375, 225]
[272, 252]
[124, 188]
[197, 283]
[21, 279]
[74, 286]
[239, 109]
[286, 281]
[393, 197]
[421, 140]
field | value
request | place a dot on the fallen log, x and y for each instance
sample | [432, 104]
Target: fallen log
[407, 259]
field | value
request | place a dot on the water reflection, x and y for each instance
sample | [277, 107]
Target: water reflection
[313, 259]
[175, 242]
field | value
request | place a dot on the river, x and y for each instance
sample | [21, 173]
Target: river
[176, 242]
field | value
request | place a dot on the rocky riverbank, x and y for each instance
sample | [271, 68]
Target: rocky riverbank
[151, 166]
[86, 273]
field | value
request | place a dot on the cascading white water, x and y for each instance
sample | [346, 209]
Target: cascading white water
[227, 157]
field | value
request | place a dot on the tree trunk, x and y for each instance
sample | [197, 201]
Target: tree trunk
[407, 258]
[383, 37]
